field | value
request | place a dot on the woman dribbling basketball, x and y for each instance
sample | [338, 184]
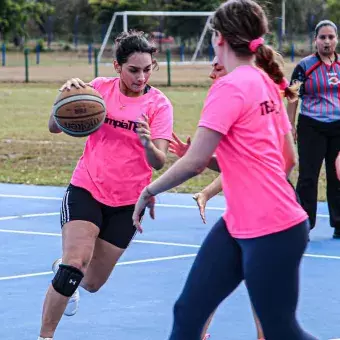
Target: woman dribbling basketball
[117, 163]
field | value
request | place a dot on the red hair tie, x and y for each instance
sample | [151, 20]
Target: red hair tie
[284, 84]
[255, 44]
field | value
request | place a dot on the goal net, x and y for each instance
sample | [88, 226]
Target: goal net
[185, 34]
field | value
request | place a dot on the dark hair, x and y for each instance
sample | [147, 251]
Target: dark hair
[324, 23]
[291, 92]
[131, 42]
[242, 21]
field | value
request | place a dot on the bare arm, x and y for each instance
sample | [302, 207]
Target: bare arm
[213, 165]
[289, 153]
[191, 164]
[179, 148]
[291, 110]
[155, 153]
[213, 188]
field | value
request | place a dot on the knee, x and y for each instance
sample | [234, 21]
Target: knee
[91, 287]
[182, 314]
[178, 310]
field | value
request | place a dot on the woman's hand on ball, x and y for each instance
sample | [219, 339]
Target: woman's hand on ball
[76, 82]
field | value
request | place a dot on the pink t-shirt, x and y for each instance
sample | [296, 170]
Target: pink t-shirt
[113, 167]
[245, 106]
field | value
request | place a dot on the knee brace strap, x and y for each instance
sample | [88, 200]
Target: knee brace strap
[67, 280]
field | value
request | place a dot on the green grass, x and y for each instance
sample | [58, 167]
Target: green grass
[30, 154]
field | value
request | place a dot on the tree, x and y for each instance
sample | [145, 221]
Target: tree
[14, 14]
[104, 9]
[333, 8]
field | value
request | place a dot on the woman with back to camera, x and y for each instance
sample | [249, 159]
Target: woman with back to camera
[117, 163]
[179, 148]
[263, 234]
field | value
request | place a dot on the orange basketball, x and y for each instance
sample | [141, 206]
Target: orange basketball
[79, 112]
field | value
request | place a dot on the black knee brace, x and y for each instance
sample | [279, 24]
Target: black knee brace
[67, 280]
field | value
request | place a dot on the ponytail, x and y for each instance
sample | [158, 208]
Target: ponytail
[265, 59]
[272, 63]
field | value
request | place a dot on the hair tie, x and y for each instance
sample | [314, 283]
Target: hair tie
[255, 44]
[284, 84]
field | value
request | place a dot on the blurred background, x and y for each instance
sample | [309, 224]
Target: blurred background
[43, 43]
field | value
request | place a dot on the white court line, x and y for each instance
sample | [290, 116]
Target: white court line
[166, 243]
[32, 197]
[156, 259]
[25, 232]
[320, 256]
[3, 278]
[5, 218]
[330, 257]
[157, 204]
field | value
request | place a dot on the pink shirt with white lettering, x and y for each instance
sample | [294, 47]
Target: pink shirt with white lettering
[113, 167]
[246, 107]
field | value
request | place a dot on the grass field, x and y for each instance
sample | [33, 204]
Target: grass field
[30, 154]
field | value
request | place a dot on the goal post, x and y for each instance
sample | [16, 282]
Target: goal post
[126, 14]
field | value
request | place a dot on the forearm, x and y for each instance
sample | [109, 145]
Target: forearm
[289, 153]
[155, 157]
[213, 188]
[181, 171]
[291, 110]
[213, 165]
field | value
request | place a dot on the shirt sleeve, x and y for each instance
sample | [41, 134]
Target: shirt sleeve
[161, 123]
[223, 106]
[96, 82]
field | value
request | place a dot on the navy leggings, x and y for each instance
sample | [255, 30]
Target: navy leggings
[270, 267]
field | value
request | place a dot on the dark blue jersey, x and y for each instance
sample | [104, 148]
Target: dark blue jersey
[320, 91]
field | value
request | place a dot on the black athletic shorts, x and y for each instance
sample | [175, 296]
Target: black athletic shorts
[115, 223]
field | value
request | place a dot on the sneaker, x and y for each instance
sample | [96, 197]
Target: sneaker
[55, 266]
[40, 338]
[336, 233]
[73, 302]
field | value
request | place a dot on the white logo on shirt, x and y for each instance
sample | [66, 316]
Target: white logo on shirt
[333, 79]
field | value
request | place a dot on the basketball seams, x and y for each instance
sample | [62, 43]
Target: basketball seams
[75, 117]
[76, 95]
[81, 97]
[80, 133]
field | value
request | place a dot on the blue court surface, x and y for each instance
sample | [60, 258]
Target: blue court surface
[137, 301]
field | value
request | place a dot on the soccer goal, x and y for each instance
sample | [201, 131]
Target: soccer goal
[125, 15]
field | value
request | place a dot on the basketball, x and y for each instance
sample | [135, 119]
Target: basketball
[79, 112]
